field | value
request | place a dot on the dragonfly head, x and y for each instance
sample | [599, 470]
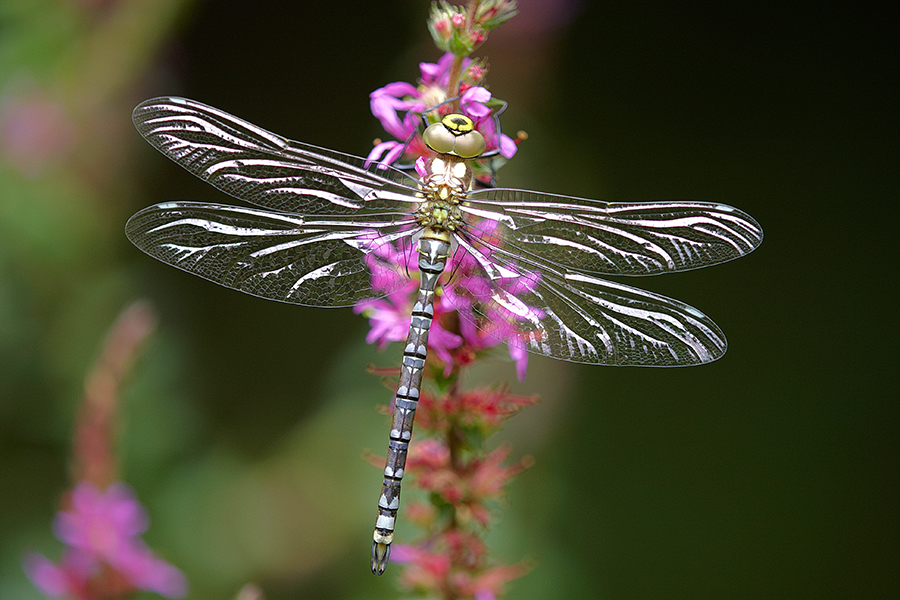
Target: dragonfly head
[455, 134]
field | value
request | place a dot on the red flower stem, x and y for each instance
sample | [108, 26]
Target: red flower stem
[456, 67]
[455, 438]
[453, 81]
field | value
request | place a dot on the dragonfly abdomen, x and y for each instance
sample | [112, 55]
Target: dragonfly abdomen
[434, 250]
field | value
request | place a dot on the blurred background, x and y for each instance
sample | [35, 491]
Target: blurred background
[771, 473]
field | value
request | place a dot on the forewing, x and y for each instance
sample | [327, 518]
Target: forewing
[329, 262]
[265, 169]
[617, 238]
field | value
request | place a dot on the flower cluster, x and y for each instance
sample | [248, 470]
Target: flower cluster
[478, 413]
[467, 318]
[400, 106]
[389, 316]
[102, 520]
[104, 554]
[462, 480]
[433, 569]
[460, 31]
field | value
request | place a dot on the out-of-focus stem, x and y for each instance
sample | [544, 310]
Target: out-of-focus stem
[95, 428]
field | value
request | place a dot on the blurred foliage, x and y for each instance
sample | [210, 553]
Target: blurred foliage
[770, 473]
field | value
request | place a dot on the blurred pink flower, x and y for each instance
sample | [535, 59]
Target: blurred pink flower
[34, 131]
[102, 524]
[68, 579]
[101, 530]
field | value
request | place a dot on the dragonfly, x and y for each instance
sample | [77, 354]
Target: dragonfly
[320, 224]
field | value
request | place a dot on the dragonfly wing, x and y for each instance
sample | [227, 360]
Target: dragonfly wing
[617, 238]
[265, 169]
[329, 262]
[586, 319]
[574, 316]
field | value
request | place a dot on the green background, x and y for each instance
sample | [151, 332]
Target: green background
[770, 474]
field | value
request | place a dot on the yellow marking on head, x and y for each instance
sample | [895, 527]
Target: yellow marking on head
[458, 124]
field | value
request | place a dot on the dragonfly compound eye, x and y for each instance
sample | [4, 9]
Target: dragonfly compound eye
[455, 134]
[469, 145]
[439, 138]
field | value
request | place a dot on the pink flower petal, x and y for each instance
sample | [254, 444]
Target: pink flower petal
[379, 150]
[148, 572]
[392, 156]
[473, 100]
[520, 357]
[68, 579]
[399, 89]
[508, 146]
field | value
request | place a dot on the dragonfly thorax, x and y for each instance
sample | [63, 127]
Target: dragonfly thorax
[446, 181]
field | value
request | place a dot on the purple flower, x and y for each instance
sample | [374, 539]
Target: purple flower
[101, 530]
[101, 523]
[68, 579]
[400, 98]
[436, 77]
[404, 553]
[146, 571]
[389, 317]
[389, 321]
[35, 131]
[478, 300]
[493, 304]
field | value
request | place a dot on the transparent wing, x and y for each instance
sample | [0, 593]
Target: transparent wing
[533, 304]
[586, 319]
[330, 262]
[616, 238]
[265, 169]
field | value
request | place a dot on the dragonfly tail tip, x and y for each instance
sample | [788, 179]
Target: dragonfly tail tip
[380, 555]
